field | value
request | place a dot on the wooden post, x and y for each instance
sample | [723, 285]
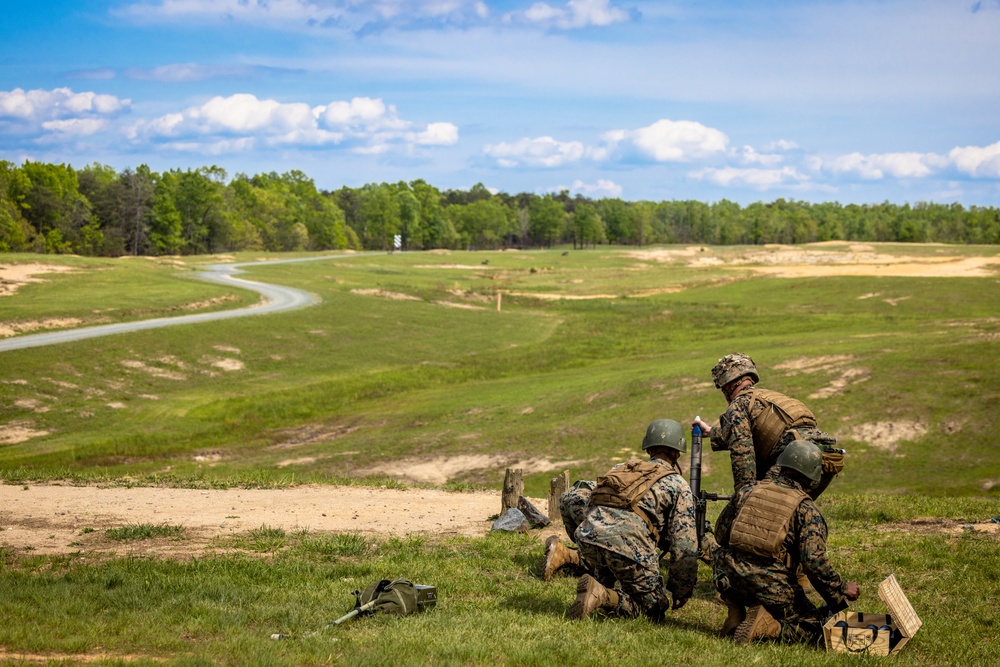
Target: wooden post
[499, 298]
[557, 487]
[513, 488]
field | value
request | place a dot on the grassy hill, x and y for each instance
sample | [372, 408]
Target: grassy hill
[899, 368]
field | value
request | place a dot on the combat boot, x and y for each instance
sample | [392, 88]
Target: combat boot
[557, 555]
[759, 624]
[591, 596]
[737, 614]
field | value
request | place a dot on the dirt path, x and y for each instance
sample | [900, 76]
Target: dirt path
[51, 519]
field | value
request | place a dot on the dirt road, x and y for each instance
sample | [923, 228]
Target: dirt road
[54, 519]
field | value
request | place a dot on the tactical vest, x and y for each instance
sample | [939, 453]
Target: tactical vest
[623, 487]
[780, 414]
[763, 521]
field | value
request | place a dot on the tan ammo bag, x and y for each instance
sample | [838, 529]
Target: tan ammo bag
[623, 487]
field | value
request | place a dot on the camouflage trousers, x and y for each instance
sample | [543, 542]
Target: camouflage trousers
[801, 621]
[574, 505]
[641, 589]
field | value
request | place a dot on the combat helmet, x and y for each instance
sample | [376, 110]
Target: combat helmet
[664, 433]
[733, 367]
[804, 457]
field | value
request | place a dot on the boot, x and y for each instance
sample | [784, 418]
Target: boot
[737, 614]
[759, 624]
[557, 555]
[591, 596]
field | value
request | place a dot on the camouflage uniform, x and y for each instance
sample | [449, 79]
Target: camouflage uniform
[735, 434]
[574, 505]
[618, 546]
[748, 579]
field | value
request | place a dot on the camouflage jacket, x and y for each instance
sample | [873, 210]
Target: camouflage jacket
[735, 433]
[805, 545]
[669, 504]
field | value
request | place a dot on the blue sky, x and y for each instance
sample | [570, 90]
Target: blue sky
[835, 100]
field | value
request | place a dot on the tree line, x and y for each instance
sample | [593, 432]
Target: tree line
[49, 208]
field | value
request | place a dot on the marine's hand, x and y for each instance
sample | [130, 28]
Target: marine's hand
[853, 591]
[705, 428]
[679, 602]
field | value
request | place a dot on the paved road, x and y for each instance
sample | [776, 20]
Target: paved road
[276, 299]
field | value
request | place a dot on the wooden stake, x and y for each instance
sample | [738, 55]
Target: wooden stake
[513, 488]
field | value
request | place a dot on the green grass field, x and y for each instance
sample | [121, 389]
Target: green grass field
[900, 368]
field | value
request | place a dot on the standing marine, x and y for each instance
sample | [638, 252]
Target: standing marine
[768, 530]
[634, 509]
[759, 423]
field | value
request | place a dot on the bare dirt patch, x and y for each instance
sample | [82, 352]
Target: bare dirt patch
[14, 432]
[794, 263]
[51, 519]
[946, 527]
[836, 364]
[313, 434]
[13, 276]
[440, 469]
[227, 364]
[466, 306]
[396, 296]
[821, 259]
[208, 303]
[72, 658]
[887, 435]
[8, 329]
[152, 370]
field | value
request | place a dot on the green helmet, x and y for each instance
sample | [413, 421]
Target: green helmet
[804, 457]
[733, 367]
[664, 433]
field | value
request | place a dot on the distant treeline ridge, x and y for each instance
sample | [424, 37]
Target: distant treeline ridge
[48, 208]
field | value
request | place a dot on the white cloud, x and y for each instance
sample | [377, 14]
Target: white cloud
[363, 110]
[880, 165]
[244, 113]
[780, 145]
[438, 134]
[678, 140]
[602, 188]
[977, 161]
[38, 106]
[575, 14]
[760, 179]
[538, 152]
[243, 121]
[663, 141]
[749, 155]
[76, 126]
